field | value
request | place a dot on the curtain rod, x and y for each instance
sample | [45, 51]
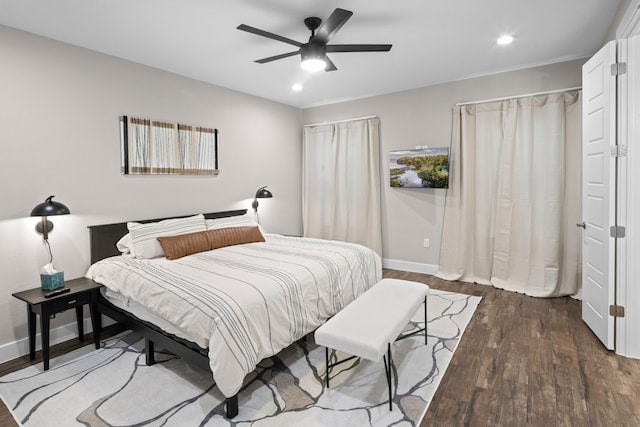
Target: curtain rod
[519, 96]
[340, 121]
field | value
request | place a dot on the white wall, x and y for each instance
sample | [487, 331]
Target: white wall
[59, 132]
[424, 117]
[622, 9]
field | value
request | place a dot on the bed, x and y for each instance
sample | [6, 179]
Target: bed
[228, 308]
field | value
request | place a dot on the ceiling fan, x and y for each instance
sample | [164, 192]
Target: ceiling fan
[314, 52]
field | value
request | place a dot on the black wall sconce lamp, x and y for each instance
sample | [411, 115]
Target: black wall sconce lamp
[45, 209]
[50, 278]
[262, 193]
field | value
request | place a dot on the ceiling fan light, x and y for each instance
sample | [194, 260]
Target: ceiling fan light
[313, 57]
[505, 40]
[313, 64]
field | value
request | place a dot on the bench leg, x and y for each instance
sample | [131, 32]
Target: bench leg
[329, 366]
[387, 368]
[326, 358]
[410, 334]
[425, 320]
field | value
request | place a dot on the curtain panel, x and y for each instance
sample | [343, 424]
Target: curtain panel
[341, 183]
[514, 196]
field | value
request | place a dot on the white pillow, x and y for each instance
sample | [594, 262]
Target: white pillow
[125, 244]
[246, 220]
[144, 236]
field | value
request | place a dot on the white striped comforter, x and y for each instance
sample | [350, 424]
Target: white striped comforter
[246, 302]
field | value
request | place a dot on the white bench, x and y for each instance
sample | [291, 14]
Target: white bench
[367, 327]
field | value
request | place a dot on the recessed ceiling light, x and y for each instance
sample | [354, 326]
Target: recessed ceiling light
[297, 87]
[505, 39]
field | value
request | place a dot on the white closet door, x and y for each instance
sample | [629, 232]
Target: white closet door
[598, 192]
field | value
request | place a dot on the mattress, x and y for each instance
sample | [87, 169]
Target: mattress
[246, 302]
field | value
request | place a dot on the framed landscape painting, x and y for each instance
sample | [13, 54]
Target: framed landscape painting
[420, 168]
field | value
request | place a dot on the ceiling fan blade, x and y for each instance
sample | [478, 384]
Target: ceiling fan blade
[359, 47]
[276, 57]
[333, 23]
[267, 34]
[330, 65]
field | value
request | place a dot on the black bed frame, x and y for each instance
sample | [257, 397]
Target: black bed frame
[103, 240]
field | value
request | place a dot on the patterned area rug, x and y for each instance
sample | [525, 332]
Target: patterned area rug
[113, 386]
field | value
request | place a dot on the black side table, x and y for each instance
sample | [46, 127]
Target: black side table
[82, 291]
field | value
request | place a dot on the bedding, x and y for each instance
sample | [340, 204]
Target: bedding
[245, 220]
[142, 313]
[244, 302]
[125, 244]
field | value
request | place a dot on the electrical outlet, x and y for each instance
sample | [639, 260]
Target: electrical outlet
[426, 243]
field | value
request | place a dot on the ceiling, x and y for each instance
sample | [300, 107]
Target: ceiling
[433, 41]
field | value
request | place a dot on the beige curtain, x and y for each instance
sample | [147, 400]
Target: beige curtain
[514, 195]
[341, 182]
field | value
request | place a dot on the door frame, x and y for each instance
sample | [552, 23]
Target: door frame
[628, 248]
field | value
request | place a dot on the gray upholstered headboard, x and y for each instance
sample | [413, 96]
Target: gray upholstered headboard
[103, 238]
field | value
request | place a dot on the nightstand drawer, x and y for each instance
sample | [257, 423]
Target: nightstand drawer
[68, 301]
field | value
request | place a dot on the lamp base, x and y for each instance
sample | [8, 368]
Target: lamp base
[40, 226]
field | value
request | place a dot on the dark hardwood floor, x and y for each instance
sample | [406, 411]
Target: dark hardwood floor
[530, 361]
[522, 361]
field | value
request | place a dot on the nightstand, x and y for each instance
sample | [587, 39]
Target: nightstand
[82, 291]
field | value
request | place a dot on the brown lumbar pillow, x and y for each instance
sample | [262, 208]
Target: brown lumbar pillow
[175, 247]
[229, 236]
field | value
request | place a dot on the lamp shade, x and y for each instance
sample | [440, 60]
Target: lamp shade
[263, 193]
[49, 208]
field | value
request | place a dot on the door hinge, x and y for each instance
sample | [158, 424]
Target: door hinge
[616, 311]
[618, 150]
[617, 231]
[618, 68]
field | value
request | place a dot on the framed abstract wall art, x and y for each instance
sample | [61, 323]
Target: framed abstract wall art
[152, 147]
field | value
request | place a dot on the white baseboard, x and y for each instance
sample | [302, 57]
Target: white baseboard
[414, 267]
[15, 349]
